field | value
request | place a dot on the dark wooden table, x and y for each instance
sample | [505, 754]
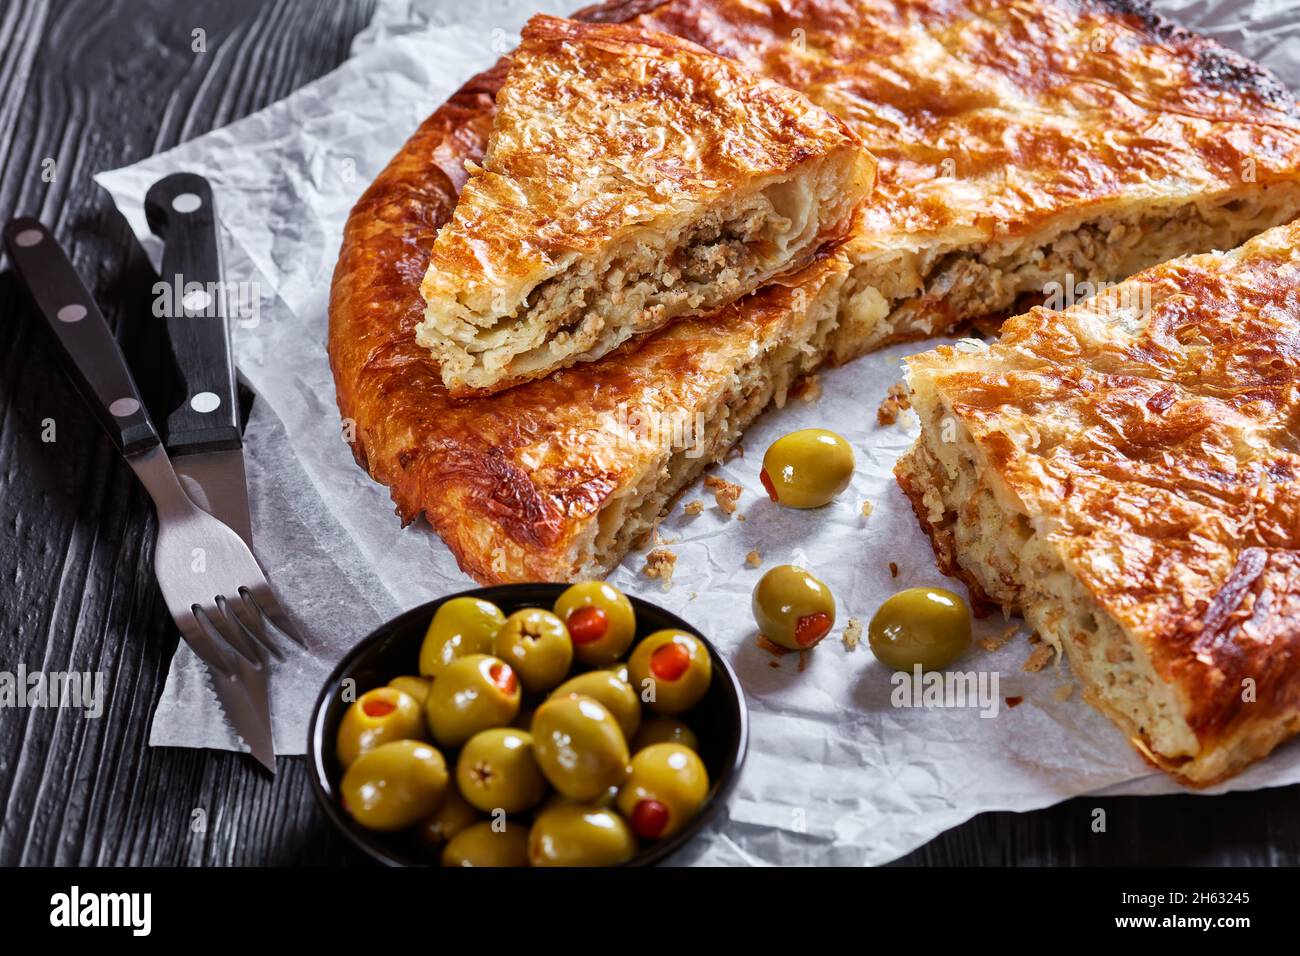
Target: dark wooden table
[88, 85]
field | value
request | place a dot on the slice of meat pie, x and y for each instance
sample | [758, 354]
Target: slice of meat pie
[631, 178]
[1126, 473]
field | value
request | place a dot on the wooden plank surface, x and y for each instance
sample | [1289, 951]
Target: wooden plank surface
[87, 85]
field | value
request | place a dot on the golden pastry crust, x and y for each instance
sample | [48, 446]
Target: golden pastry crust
[989, 117]
[1041, 128]
[631, 177]
[1149, 441]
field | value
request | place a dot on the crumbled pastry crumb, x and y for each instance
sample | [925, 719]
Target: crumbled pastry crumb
[724, 492]
[1063, 692]
[803, 660]
[659, 564]
[740, 518]
[772, 647]
[774, 664]
[867, 508]
[1014, 702]
[735, 451]
[660, 539]
[753, 559]
[993, 643]
[852, 633]
[693, 507]
[808, 388]
[1038, 658]
[893, 569]
[895, 402]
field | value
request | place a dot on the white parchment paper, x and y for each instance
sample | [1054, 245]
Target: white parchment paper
[836, 774]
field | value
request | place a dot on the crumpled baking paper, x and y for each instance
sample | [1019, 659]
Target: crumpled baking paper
[836, 773]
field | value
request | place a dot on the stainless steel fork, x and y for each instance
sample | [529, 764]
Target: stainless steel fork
[212, 585]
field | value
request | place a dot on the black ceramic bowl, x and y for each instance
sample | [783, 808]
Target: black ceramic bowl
[721, 719]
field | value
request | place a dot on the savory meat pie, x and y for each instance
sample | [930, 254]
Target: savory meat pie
[1018, 141]
[1126, 473]
[631, 178]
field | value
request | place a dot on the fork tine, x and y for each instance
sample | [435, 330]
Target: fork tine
[213, 652]
[252, 625]
[250, 636]
[263, 601]
[212, 619]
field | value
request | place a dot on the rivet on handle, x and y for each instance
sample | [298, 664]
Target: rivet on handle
[196, 300]
[205, 402]
[186, 202]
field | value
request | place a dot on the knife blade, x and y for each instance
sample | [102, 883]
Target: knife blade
[203, 436]
[99, 370]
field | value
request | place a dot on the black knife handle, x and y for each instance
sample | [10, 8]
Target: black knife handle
[182, 213]
[92, 356]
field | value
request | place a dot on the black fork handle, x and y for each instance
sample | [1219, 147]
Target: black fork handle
[91, 355]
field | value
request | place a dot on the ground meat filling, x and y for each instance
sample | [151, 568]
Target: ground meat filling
[967, 284]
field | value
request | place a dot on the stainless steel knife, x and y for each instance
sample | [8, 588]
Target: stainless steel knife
[213, 586]
[202, 434]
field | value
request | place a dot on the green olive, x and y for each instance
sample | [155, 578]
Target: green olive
[454, 815]
[473, 694]
[579, 747]
[570, 834]
[793, 608]
[664, 791]
[461, 626]
[417, 687]
[488, 844]
[671, 671]
[600, 619]
[617, 695]
[377, 717]
[807, 468]
[497, 770]
[536, 644]
[606, 799]
[664, 730]
[394, 786]
[926, 626]
[619, 670]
